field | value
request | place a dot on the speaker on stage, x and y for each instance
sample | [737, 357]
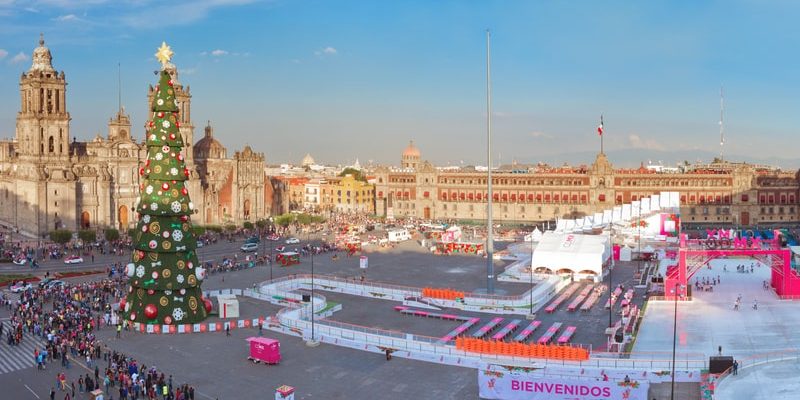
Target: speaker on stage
[718, 364]
[306, 298]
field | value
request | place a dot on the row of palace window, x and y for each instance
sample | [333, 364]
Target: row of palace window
[674, 182]
[726, 210]
[514, 181]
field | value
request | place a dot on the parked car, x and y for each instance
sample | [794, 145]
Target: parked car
[20, 261]
[200, 244]
[292, 241]
[248, 247]
[20, 286]
[280, 248]
[274, 237]
[73, 260]
[45, 281]
[55, 283]
[252, 239]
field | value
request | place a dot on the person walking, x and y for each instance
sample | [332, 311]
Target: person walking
[755, 304]
[119, 331]
[227, 330]
[735, 367]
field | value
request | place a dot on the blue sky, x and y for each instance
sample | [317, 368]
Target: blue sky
[347, 79]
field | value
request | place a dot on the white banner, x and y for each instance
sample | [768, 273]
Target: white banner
[363, 262]
[520, 385]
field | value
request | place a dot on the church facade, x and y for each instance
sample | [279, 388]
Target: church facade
[48, 181]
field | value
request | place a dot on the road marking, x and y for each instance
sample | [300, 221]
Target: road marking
[34, 393]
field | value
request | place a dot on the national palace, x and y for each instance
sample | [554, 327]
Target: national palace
[720, 192]
[49, 181]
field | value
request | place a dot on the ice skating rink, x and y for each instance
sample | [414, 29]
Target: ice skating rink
[709, 321]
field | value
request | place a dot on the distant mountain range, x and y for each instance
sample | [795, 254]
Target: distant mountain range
[631, 158]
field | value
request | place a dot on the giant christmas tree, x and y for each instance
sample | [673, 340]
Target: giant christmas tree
[164, 274]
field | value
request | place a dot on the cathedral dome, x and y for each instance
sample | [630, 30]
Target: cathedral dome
[208, 146]
[307, 160]
[42, 59]
[411, 151]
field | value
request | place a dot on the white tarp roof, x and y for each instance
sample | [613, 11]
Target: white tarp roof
[664, 202]
[557, 251]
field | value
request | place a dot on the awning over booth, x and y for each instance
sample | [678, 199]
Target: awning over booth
[575, 252]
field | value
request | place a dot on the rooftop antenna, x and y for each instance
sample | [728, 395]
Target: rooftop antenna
[119, 86]
[721, 126]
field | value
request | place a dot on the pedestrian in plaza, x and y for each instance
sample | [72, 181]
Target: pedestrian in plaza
[720, 350]
[227, 330]
[52, 394]
[755, 304]
[119, 331]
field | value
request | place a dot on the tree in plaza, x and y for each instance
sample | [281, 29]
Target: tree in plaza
[88, 236]
[165, 274]
[61, 236]
[111, 234]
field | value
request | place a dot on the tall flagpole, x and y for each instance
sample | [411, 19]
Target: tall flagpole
[600, 131]
[489, 228]
[721, 128]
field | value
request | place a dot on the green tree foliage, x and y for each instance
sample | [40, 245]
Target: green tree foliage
[356, 174]
[60, 236]
[111, 234]
[198, 230]
[247, 225]
[261, 223]
[87, 235]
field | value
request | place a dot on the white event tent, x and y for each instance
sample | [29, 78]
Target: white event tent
[583, 255]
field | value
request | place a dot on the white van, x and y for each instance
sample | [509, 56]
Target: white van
[399, 235]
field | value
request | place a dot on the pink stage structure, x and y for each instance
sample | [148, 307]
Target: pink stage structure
[694, 254]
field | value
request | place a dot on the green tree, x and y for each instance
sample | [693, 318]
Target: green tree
[247, 225]
[262, 223]
[165, 274]
[87, 235]
[198, 230]
[230, 228]
[284, 220]
[61, 236]
[356, 174]
[111, 234]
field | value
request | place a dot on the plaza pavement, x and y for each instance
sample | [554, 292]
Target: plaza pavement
[216, 365]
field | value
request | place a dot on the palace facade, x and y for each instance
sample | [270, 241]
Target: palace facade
[49, 181]
[733, 193]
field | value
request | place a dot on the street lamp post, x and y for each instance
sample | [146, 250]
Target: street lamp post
[531, 292]
[313, 341]
[674, 337]
[271, 259]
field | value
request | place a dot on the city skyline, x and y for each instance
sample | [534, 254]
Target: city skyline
[324, 78]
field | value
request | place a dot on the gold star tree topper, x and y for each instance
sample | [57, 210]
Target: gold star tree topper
[164, 54]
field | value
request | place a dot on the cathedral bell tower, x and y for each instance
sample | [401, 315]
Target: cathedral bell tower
[43, 121]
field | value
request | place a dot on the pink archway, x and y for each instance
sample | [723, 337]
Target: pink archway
[694, 254]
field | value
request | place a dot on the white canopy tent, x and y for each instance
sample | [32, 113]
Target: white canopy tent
[582, 255]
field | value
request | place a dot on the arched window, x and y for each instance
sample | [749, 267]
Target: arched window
[51, 145]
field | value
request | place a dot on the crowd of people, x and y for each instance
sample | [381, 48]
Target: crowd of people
[65, 319]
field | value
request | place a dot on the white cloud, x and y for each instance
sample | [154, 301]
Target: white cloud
[218, 53]
[66, 18]
[540, 134]
[20, 57]
[327, 51]
[637, 142]
[3, 54]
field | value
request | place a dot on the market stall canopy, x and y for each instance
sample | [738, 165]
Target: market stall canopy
[574, 252]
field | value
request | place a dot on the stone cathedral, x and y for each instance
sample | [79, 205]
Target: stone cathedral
[49, 180]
